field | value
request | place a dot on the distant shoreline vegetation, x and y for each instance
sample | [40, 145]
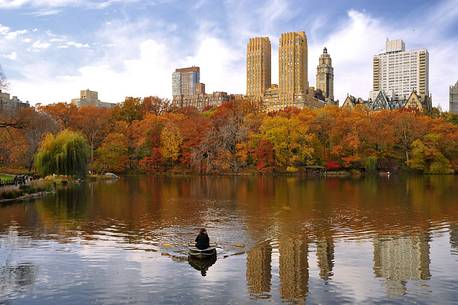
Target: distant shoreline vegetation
[148, 136]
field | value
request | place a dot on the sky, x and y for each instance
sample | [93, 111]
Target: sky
[51, 49]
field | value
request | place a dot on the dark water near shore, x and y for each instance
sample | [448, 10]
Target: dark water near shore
[279, 239]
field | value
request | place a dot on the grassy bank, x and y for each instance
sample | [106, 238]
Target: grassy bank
[34, 189]
[9, 193]
[6, 178]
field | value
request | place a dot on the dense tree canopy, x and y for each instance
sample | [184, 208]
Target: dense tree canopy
[147, 135]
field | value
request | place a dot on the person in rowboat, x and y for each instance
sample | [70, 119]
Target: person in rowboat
[202, 240]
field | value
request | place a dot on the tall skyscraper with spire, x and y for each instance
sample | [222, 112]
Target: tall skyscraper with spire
[325, 75]
[258, 66]
[293, 58]
[453, 102]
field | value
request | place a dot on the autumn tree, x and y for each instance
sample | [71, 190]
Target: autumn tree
[264, 154]
[129, 111]
[171, 141]
[218, 149]
[321, 122]
[67, 153]
[193, 127]
[426, 156]
[94, 122]
[13, 148]
[39, 124]
[63, 113]
[408, 127]
[291, 140]
[145, 140]
[112, 155]
[156, 105]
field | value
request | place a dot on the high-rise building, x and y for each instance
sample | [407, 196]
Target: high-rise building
[185, 81]
[292, 59]
[325, 75]
[258, 66]
[90, 98]
[453, 101]
[398, 72]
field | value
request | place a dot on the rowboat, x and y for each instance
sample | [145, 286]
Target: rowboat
[205, 253]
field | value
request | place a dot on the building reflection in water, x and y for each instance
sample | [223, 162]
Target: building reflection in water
[453, 230]
[401, 259]
[16, 277]
[258, 270]
[325, 256]
[294, 273]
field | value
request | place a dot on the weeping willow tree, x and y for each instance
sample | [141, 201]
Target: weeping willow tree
[67, 153]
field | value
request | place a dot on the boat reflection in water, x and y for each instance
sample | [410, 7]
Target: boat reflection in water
[202, 264]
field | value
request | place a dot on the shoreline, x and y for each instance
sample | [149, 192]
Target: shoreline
[27, 197]
[328, 174]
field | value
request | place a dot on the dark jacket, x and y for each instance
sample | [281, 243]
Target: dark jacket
[202, 241]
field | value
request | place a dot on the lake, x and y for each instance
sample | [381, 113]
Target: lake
[285, 240]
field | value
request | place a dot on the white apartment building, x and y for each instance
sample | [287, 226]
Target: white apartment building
[398, 72]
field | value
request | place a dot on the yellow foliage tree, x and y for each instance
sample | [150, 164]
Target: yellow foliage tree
[290, 138]
[171, 141]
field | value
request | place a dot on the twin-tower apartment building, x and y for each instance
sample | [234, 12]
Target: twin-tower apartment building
[293, 84]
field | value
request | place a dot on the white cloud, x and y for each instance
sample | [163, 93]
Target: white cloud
[10, 4]
[141, 76]
[77, 45]
[40, 45]
[44, 12]
[11, 56]
[15, 4]
[10, 35]
[34, 40]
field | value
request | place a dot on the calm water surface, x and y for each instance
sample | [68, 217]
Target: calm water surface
[280, 240]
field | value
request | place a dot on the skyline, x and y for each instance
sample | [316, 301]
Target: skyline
[131, 48]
